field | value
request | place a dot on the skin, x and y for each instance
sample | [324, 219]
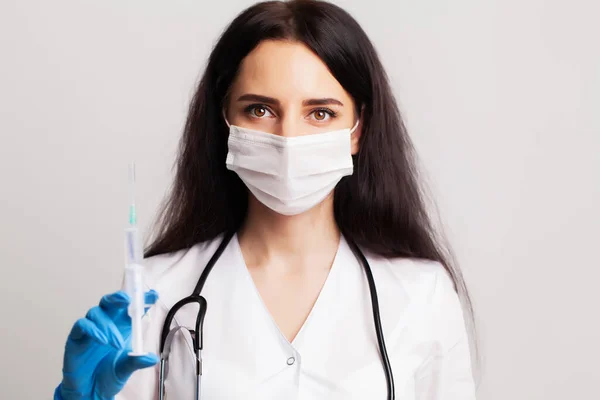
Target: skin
[289, 257]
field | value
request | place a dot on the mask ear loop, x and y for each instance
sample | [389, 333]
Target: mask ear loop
[225, 118]
[362, 108]
[355, 126]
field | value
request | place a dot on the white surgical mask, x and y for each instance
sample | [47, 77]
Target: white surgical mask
[290, 174]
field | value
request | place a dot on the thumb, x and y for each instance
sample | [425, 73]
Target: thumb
[127, 365]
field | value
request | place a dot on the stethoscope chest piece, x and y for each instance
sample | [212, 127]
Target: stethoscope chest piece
[195, 336]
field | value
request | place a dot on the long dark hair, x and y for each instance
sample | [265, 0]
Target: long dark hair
[380, 207]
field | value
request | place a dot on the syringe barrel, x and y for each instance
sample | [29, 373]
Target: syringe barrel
[134, 287]
[134, 253]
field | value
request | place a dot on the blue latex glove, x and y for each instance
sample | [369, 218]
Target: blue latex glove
[96, 363]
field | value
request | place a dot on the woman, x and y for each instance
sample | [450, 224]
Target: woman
[294, 156]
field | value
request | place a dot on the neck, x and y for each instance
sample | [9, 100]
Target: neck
[290, 243]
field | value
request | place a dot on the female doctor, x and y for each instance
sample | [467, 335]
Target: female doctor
[294, 156]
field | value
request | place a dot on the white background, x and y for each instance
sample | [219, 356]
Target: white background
[501, 98]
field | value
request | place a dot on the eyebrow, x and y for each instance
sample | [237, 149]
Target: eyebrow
[322, 102]
[273, 101]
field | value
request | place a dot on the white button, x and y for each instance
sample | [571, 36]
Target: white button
[291, 361]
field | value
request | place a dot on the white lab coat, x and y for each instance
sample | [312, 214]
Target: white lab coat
[335, 354]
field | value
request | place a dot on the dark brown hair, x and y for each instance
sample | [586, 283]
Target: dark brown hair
[380, 207]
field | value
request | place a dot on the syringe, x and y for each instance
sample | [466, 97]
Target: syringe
[134, 285]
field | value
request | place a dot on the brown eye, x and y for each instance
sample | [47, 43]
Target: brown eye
[320, 115]
[260, 112]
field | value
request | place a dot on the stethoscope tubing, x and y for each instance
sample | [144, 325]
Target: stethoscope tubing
[197, 335]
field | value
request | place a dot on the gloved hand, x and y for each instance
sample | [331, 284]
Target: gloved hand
[96, 362]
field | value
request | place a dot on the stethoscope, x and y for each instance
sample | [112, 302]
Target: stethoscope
[167, 334]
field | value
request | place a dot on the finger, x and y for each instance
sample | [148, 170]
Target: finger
[106, 325]
[125, 365]
[115, 303]
[150, 297]
[84, 328]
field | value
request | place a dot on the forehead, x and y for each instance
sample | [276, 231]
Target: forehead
[286, 70]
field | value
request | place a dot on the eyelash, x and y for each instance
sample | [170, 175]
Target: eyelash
[248, 110]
